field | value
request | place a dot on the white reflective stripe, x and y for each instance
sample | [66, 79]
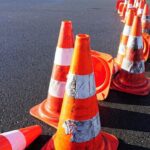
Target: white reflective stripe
[133, 67]
[16, 139]
[146, 18]
[130, 6]
[80, 86]
[83, 131]
[140, 11]
[135, 42]
[126, 2]
[122, 48]
[63, 56]
[126, 30]
[57, 88]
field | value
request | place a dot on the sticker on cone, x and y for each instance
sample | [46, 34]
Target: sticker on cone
[49, 110]
[19, 139]
[131, 78]
[79, 127]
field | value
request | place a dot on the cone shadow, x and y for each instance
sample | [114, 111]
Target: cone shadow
[125, 98]
[124, 146]
[122, 119]
[39, 142]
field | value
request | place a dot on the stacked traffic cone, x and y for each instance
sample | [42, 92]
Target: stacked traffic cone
[146, 20]
[146, 31]
[129, 6]
[49, 110]
[124, 40]
[19, 139]
[136, 3]
[140, 8]
[123, 13]
[131, 77]
[79, 126]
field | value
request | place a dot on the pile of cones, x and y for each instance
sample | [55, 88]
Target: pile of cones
[141, 9]
[81, 76]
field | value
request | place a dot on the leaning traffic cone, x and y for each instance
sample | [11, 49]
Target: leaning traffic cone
[49, 110]
[131, 78]
[103, 70]
[146, 31]
[124, 40]
[79, 126]
[140, 8]
[19, 139]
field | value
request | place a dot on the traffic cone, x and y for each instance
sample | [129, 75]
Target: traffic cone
[140, 8]
[146, 31]
[19, 139]
[49, 110]
[120, 8]
[118, 3]
[124, 40]
[129, 6]
[136, 3]
[122, 15]
[131, 78]
[146, 20]
[103, 70]
[79, 125]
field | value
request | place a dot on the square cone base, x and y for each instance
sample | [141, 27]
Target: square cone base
[103, 68]
[42, 114]
[143, 91]
[106, 141]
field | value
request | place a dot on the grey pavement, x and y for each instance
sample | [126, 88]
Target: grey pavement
[28, 37]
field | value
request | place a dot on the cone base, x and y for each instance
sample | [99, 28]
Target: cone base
[141, 90]
[108, 142]
[103, 68]
[47, 117]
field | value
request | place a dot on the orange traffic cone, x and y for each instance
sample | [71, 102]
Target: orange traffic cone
[120, 8]
[79, 127]
[19, 139]
[129, 6]
[136, 3]
[131, 78]
[49, 110]
[146, 20]
[124, 39]
[140, 8]
[118, 3]
[122, 15]
[146, 31]
[103, 70]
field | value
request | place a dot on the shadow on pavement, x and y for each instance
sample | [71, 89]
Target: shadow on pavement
[39, 142]
[124, 146]
[122, 119]
[124, 98]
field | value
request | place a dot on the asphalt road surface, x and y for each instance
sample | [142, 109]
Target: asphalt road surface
[28, 36]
